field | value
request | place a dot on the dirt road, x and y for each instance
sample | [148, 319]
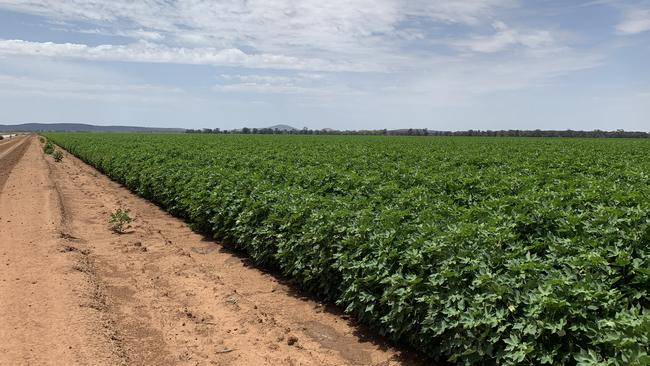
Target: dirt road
[75, 293]
[45, 307]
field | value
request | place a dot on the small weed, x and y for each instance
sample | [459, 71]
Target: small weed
[118, 220]
[57, 155]
[42, 139]
[48, 148]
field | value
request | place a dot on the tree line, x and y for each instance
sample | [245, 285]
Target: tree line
[427, 132]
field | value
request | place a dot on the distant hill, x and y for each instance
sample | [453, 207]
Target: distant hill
[283, 128]
[80, 127]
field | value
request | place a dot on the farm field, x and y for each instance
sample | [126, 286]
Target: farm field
[72, 292]
[473, 250]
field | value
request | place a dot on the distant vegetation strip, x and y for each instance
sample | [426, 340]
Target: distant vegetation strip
[478, 250]
[287, 130]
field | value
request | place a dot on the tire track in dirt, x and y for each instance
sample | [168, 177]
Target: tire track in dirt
[8, 142]
[46, 307]
[10, 154]
[175, 298]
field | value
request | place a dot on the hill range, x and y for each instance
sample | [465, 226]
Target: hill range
[81, 127]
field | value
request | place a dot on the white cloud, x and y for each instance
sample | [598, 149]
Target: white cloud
[266, 88]
[465, 12]
[138, 34]
[636, 20]
[142, 34]
[156, 53]
[457, 83]
[300, 77]
[64, 88]
[290, 27]
[305, 84]
[506, 37]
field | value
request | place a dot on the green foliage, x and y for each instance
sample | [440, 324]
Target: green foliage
[57, 155]
[481, 251]
[48, 148]
[118, 220]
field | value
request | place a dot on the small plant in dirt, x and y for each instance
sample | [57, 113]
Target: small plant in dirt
[48, 148]
[57, 155]
[42, 139]
[118, 220]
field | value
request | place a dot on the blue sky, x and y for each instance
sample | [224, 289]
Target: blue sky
[346, 64]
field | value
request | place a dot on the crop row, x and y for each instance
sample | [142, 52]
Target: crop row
[475, 250]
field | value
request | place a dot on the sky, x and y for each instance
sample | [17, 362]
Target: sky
[343, 64]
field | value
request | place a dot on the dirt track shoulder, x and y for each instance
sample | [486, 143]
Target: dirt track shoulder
[46, 307]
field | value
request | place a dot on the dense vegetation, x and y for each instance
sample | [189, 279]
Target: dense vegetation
[477, 250]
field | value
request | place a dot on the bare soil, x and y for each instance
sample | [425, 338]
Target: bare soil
[74, 293]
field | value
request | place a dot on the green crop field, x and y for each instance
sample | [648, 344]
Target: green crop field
[475, 250]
